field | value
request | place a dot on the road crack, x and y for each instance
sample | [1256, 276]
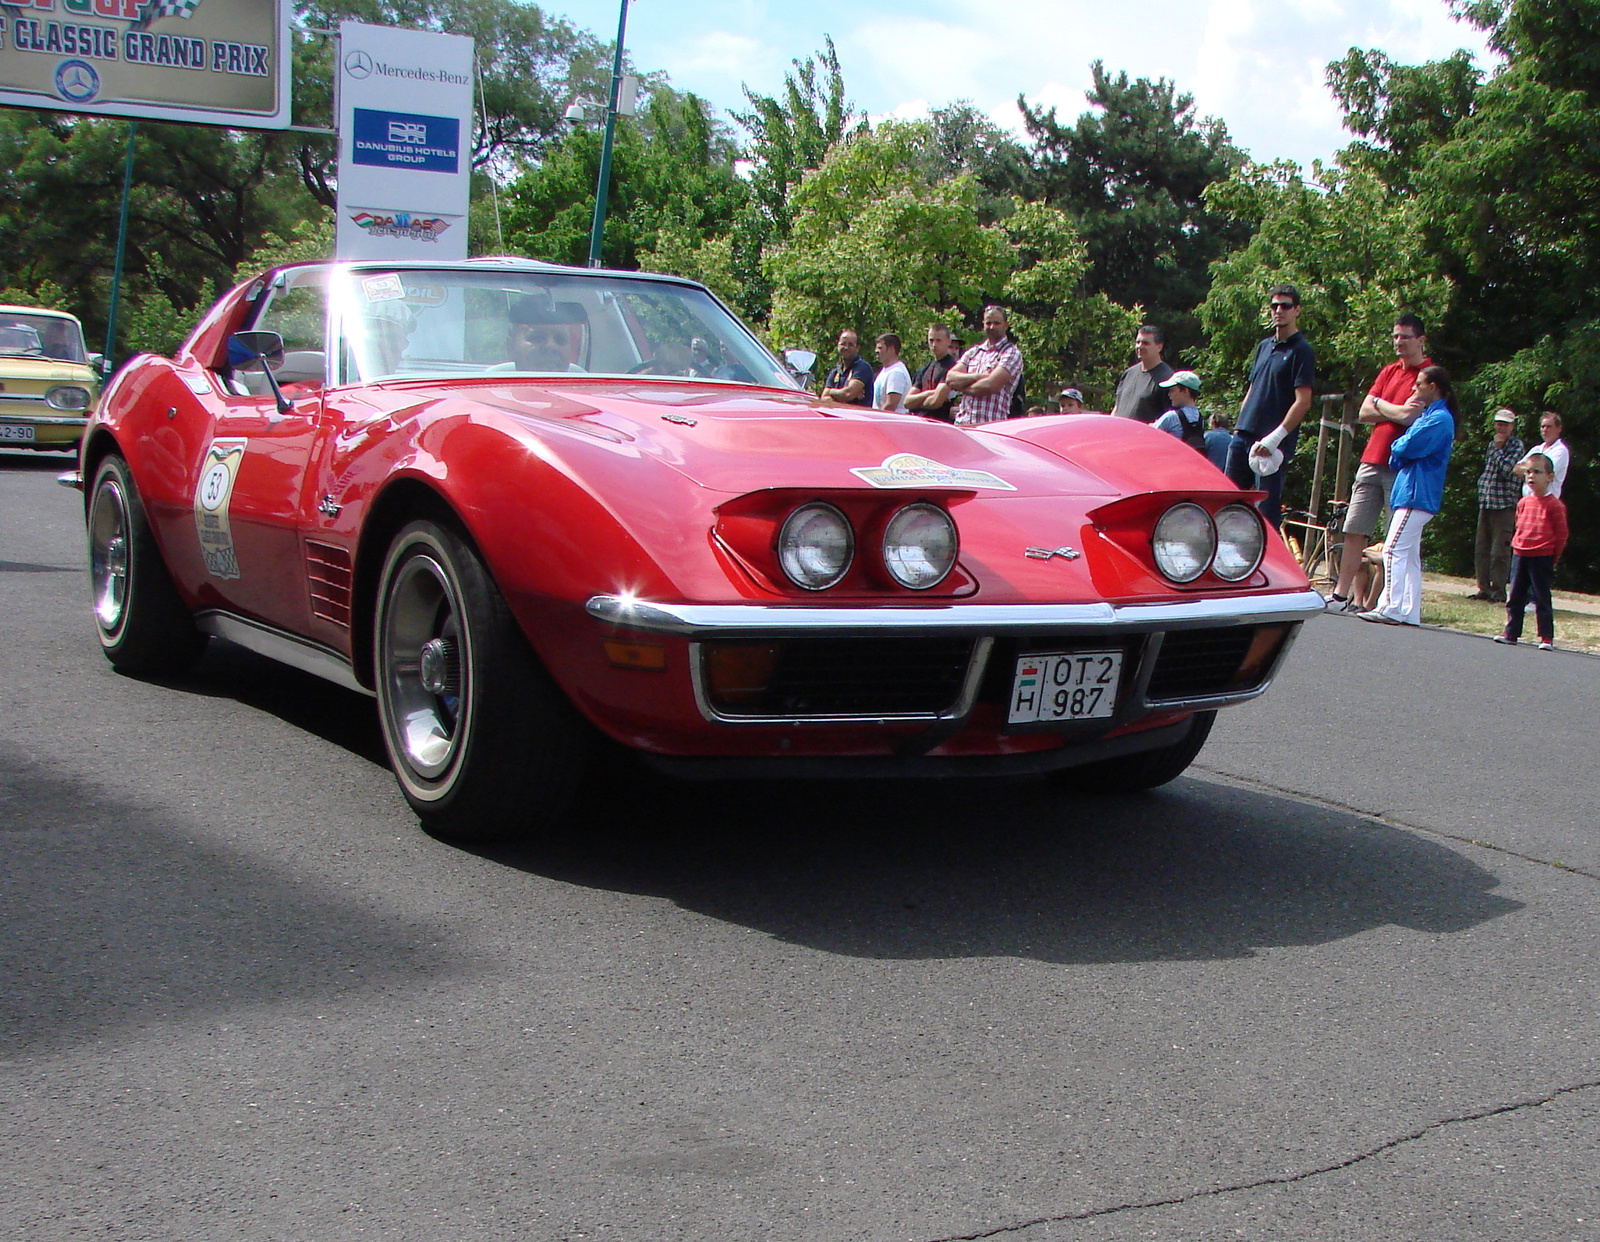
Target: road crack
[1286, 1179]
[1328, 804]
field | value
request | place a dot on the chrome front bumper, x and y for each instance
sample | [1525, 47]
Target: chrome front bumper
[1088, 622]
[738, 620]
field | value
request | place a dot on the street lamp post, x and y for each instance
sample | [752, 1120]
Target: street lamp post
[598, 231]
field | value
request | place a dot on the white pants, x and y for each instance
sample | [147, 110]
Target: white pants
[1402, 567]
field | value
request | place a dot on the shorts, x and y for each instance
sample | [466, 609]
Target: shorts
[1369, 496]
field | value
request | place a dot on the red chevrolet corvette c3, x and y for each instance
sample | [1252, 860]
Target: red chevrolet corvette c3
[527, 507]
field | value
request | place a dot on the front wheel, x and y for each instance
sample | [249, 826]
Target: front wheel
[143, 626]
[483, 743]
[1146, 770]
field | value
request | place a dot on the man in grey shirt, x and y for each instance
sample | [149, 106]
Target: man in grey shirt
[1139, 391]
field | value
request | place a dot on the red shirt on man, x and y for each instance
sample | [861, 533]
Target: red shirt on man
[1395, 384]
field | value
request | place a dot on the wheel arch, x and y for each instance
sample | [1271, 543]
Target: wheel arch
[405, 500]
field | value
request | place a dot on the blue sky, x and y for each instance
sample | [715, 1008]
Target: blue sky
[1257, 65]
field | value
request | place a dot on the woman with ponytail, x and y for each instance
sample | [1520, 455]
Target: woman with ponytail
[1419, 458]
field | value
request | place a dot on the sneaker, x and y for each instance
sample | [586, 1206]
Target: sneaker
[1497, 597]
[1544, 646]
[1506, 639]
[1485, 596]
[1377, 617]
[1335, 604]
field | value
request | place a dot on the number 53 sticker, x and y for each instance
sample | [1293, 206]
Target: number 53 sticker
[218, 469]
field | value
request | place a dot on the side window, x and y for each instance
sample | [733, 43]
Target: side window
[297, 311]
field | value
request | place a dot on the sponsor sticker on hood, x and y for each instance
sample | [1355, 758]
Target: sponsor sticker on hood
[910, 470]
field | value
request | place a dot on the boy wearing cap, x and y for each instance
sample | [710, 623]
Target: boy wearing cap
[1070, 401]
[1498, 492]
[1183, 419]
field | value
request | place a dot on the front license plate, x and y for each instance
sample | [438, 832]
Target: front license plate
[16, 433]
[1065, 685]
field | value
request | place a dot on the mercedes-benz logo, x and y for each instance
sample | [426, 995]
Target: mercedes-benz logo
[358, 65]
[76, 81]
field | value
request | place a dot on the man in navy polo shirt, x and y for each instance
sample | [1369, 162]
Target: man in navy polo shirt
[849, 383]
[1282, 372]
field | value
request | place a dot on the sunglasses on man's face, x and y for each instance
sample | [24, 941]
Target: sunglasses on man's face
[1283, 306]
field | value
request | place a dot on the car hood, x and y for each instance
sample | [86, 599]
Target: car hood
[735, 439]
[45, 370]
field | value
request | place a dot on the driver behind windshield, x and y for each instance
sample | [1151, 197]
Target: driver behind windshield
[539, 337]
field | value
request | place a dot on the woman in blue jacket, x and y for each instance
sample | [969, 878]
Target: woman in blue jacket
[1419, 458]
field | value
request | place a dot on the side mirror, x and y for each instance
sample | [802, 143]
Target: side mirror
[801, 363]
[250, 351]
[99, 365]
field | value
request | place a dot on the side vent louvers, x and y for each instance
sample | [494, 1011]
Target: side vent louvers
[328, 571]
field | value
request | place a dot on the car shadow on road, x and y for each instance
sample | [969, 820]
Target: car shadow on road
[38, 461]
[960, 868]
[904, 870]
[116, 918]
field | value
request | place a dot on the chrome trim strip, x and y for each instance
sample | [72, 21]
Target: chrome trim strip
[960, 710]
[722, 620]
[285, 648]
[40, 420]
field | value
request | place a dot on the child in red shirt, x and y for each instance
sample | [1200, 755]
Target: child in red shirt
[1536, 547]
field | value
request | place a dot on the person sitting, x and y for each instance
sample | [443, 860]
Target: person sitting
[539, 337]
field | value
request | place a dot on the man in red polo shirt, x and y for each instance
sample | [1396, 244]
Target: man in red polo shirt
[1390, 407]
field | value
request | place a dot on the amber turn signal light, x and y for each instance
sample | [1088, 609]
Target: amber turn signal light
[646, 656]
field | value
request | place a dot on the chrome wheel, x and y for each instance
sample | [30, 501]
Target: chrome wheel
[483, 744]
[423, 653]
[108, 553]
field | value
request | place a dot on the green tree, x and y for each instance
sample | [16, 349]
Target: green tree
[790, 134]
[673, 170]
[1353, 247]
[877, 246]
[1132, 174]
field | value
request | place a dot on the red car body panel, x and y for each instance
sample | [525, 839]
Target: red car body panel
[578, 488]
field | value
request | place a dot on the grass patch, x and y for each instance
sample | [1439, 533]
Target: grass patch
[1577, 631]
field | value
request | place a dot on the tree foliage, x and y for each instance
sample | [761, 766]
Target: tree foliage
[672, 170]
[879, 243]
[1132, 173]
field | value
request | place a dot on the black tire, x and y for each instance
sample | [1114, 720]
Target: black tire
[485, 746]
[143, 626]
[1132, 773]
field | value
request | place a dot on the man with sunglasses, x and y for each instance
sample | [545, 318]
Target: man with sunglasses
[1282, 372]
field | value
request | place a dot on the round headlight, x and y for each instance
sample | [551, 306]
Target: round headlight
[1240, 543]
[1184, 541]
[920, 546]
[67, 397]
[815, 546]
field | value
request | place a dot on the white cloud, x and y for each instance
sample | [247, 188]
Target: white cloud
[1259, 66]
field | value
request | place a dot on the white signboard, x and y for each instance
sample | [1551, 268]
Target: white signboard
[211, 62]
[405, 143]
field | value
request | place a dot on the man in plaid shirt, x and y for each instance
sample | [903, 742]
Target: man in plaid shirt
[1498, 492]
[988, 373]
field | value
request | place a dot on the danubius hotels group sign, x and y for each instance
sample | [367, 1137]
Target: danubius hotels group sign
[216, 62]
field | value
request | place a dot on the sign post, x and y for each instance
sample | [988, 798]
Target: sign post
[405, 143]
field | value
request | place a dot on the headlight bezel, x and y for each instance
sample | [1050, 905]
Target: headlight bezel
[1201, 563]
[910, 512]
[811, 508]
[80, 393]
[1259, 528]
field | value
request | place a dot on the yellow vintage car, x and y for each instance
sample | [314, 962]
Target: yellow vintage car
[48, 382]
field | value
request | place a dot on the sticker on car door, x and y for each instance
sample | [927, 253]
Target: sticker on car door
[218, 470]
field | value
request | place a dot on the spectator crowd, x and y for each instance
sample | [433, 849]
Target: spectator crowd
[1411, 409]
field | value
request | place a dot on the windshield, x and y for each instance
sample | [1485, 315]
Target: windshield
[41, 336]
[407, 323]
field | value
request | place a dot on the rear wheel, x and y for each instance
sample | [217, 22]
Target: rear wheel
[142, 623]
[1131, 773]
[483, 743]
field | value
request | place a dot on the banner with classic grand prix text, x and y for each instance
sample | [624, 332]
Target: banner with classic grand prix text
[212, 62]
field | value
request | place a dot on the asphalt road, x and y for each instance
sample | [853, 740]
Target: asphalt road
[1338, 983]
